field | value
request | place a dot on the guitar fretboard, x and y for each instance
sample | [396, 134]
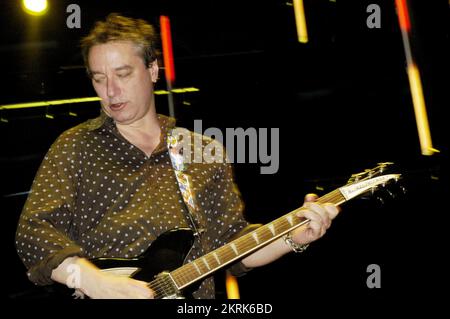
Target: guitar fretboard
[245, 245]
[170, 283]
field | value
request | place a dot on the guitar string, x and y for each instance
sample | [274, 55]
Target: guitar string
[180, 275]
[335, 197]
[160, 286]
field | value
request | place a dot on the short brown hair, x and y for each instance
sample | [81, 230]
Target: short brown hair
[120, 28]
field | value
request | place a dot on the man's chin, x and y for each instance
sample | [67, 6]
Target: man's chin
[121, 120]
[118, 117]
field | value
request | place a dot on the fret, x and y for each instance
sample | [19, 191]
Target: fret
[289, 219]
[201, 265]
[334, 197]
[224, 255]
[255, 237]
[240, 247]
[264, 234]
[206, 263]
[233, 246]
[212, 260]
[216, 257]
[197, 267]
[271, 228]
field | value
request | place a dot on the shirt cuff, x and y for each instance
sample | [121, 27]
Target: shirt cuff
[41, 273]
[239, 269]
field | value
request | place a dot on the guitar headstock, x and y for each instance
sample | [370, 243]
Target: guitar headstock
[369, 181]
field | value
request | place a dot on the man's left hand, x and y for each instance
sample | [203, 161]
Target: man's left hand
[320, 216]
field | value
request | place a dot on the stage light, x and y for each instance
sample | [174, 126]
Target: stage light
[35, 7]
[47, 103]
[420, 111]
[166, 39]
[231, 286]
[415, 82]
[27, 105]
[300, 21]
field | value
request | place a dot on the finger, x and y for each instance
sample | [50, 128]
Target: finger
[143, 289]
[314, 229]
[332, 210]
[311, 197]
[322, 213]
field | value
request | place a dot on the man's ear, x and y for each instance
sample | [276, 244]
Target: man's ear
[154, 70]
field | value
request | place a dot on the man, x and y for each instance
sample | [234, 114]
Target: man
[107, 186]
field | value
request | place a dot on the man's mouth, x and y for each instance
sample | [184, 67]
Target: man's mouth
[117, 106]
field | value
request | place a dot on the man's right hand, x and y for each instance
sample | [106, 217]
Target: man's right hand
[99, 285]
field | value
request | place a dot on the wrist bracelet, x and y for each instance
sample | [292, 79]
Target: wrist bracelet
[298, 248]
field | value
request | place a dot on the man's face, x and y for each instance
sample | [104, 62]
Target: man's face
[122, 81]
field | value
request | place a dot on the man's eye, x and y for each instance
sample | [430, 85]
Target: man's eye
[98, 80]
[123, 75]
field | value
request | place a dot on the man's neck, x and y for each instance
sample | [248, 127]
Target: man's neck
[146, 126]
[144, 133]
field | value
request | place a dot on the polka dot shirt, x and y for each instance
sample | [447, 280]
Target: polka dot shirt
[97, 195]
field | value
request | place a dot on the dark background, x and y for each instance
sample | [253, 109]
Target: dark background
[342, 104]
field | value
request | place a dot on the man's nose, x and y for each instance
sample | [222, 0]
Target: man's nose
[112, 88]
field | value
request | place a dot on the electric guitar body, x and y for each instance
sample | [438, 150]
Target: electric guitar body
[167, 253]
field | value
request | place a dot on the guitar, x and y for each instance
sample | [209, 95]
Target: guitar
[170, 278]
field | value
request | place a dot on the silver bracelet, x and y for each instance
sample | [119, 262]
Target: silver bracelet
[298, 248]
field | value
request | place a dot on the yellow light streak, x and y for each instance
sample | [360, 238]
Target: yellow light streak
[82, 100]
[47, 103]
[423, 127]
[300, 21]
[232, 287]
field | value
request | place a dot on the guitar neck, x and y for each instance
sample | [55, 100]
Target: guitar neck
[244, 245]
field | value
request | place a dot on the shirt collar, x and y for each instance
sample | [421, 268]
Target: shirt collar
[103, 121]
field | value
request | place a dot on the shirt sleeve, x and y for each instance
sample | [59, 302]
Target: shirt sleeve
[228, 206]
[43, 236]
[229, 212]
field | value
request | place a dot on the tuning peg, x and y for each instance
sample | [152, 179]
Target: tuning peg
[391, 194]
[384, 164]
[380, 200]
[355, 177]
[369, 173]
[403, 189]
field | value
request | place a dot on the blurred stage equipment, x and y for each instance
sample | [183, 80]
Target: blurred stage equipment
[300, 21]
[64, 102]
[232, 286]
[415, 83]
[169, 68]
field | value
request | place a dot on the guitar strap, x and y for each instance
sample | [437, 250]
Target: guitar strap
[184, 180]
